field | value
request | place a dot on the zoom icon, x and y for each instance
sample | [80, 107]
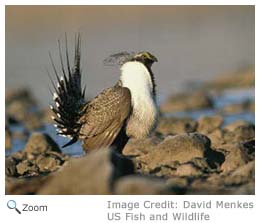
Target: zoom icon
[11, 204]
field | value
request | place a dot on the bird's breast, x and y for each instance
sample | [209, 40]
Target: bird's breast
[136, 77]
[142, 120]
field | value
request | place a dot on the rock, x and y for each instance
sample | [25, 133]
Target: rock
[19, 156]
[173, 126]
[47, 164]
[137, 147]
[187, 101]
[201, 187]
[167, 170]
[240, 133]
[247, 106]
[20, 94]
[92, 174]
[178, 182]
[33, 121]
[41, 156]
[240, 181]
[24, 186]
[245, 189]
[236, 124]
[241, 175]
[8, 139]
[235, 157]
[193, 168]
[23, 167]
[201, 163]
[39, 143]
[17, 110]
[216, 137]
[181, 148]
[27, 168]
[249, 148]
[188, 170]
[240, 79]
[10, 166]
[140, 185]
[207, 124]
[19, 106]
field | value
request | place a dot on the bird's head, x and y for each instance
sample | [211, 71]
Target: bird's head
[145, 57]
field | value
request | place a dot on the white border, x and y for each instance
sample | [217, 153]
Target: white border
[93, 208]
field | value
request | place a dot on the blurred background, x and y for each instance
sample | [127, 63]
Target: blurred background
[192, 43]
[205, 82]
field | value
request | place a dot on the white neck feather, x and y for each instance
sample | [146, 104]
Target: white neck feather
[135, 76]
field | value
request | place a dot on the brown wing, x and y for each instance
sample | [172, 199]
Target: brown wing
[104, 117]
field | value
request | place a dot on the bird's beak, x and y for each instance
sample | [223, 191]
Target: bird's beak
[155, 59]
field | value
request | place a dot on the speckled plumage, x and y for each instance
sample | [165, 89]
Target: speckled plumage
[104, 116]
[125, 110]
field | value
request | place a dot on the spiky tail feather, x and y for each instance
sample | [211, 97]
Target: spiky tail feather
[68, 95]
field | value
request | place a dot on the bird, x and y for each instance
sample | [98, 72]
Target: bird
[126, 110]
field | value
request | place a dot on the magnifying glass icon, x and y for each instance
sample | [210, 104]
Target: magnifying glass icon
[11, 204]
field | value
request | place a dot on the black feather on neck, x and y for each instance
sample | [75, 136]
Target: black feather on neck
[153, 80]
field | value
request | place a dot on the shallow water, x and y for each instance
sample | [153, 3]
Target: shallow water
[225, 98]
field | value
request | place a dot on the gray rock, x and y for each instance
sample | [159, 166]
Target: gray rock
[246, 106]
[92, 174]
[19, 105]
[23, 186]
[245, 189]
[39, 143]
[201, 163]
[33, 121]
[10, 166]
[241, 175]
[187, 102]
[26, 168]
[41, 155]
[249, 148]
[235, 157]
[216, 137]
[47, 164]
[241, 79]
[19, 156]
[167, 170]
[137, 147]
[140, 185]
[18, 110]
[181, 148]
[236, 124]
[207, 124]
[20, 94]
[8, 139]
[240, 134]
[239, 181]
[173, 126]
[178, 182]
[188, 170]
